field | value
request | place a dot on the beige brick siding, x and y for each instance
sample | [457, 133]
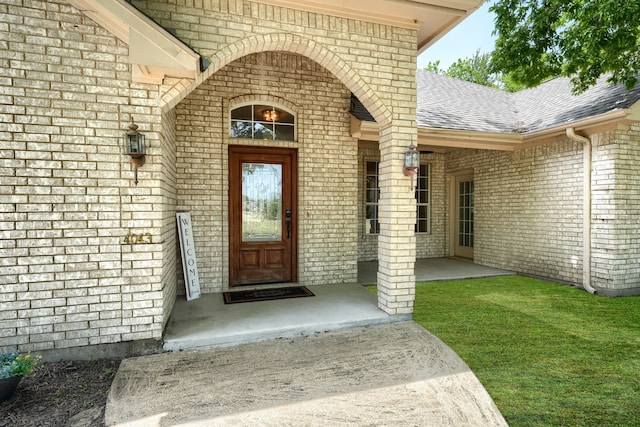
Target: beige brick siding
[67, 199]
[616, 211]
[528, 208]
[434, 244]
[68, 277]
[327, 163]
[377, 62]
[396, 213]
[171, 269]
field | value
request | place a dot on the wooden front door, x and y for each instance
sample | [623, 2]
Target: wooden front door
[262, 215]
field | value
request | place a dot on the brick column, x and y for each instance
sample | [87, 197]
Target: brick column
[397, 216]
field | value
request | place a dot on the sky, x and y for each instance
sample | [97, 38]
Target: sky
[463, 41]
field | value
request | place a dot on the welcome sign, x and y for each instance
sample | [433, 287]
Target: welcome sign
[188, 251]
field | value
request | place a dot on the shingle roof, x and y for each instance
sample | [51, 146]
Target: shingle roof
[553, 103]
[447, 103]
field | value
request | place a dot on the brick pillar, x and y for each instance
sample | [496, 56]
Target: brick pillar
[397, 216]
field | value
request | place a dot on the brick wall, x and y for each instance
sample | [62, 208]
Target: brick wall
[67, 199]
[528, 208]
[375, 62]
[616, 212]
[327, 162]
[70, 276]
[170, 268]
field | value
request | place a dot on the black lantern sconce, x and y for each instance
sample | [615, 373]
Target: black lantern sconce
[411, 162]
[134, 147]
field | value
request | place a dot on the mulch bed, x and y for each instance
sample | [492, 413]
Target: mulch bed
[61, 394]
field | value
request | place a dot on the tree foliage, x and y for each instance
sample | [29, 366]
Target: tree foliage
[580, 39]
[476, 69]
[434, 67]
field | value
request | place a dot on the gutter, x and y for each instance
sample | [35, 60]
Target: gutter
[511, 141]
[586, 209]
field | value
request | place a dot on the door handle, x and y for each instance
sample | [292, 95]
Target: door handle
[287, 222]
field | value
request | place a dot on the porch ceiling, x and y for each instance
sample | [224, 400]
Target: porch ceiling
[432, 18]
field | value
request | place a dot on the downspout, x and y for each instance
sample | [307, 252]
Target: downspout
[586, 209]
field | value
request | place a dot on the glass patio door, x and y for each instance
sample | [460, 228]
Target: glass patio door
[464, 233]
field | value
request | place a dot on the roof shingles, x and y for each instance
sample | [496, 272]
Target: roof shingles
[447, 103]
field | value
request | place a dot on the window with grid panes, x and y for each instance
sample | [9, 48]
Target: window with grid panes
[261, 121]
[423, 198]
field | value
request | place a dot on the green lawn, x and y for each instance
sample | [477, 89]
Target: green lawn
[548, 354]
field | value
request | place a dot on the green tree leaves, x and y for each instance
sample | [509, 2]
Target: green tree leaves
[580, 39]
[477, 69]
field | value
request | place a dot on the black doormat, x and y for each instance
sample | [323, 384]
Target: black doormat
[266, 294]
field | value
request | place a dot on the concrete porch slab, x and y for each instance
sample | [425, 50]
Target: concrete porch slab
[209, 322]
[430, 269]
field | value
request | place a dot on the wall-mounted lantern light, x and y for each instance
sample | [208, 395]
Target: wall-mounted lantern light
[134, 147]
[411, 162]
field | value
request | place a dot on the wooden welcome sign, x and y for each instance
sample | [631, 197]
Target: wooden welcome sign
[188, 251]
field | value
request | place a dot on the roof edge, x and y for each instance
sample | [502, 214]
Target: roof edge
[456, 138]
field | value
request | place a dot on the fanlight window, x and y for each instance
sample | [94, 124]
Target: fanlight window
[262, 121]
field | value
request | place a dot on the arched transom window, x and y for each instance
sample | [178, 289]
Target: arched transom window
[263, 121]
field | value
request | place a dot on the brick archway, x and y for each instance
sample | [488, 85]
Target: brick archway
[286, 43]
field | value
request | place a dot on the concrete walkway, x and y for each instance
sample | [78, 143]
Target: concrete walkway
[395, 374]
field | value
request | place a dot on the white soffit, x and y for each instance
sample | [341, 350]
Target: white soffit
[431, 18]
[152, 50]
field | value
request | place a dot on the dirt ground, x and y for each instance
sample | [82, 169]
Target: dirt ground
[391, 374]
[61, 394]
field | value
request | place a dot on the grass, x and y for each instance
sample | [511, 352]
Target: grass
[548, 354]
